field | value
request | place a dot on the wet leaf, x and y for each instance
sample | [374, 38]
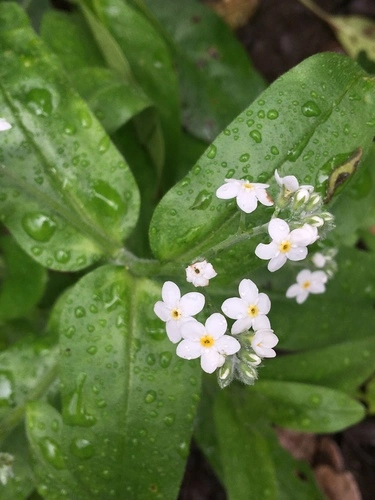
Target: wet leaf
[323, 108]
[23, 281]
[304, 407]
[217, 80]
[66, 202]
[128, 402]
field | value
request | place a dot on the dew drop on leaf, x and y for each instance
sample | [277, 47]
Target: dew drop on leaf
[256, 135]
[310, 109]
[38, 226]
[165, 359]
[104, 144]
[39, 101]
[79, 312]
[82, 448]
[272, 114]
[169, 419]
[150, 397]
[244, 158]
[211, 153]
[52, 453]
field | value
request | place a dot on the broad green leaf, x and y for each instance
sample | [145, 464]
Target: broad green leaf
[23, 281]
[113, 98]
[343, 366]
[67, 195]
[149, 61]
[45, 434]
[355, 33]
[27, 370]
[22, 483]
[217, 80]
[303, 124]
[345, 312]
[305, 407]
[128, 401]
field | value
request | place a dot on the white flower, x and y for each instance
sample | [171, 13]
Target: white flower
[285, 244]
[6, 467]
[290, 184]
[307, 282]
[4, 125]
[199, 273]
[175, 310]
[319, 260]
[263, 341]
[247, 194]
[207, 341]
[249, 310]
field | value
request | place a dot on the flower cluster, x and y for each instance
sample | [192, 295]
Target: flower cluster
[251, 339]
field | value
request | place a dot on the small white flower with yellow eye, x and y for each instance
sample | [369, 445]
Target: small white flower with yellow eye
[290, 184]
[307, 282]
[176, 310]
[208, 342]
[286, 244]
[4, 125]
[200, 273]
[247, 194]
[263, 342]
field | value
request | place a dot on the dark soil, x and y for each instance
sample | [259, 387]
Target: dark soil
[280, 35]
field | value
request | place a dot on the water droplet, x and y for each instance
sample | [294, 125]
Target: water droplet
[62, 256]
[104, 144]
[183, 449]
[315, 400]
[93, 308]
[256, 135]
[310, 108]
[82, 448]
[74, 408]
[169, 419]
[70, 129]
[202, 201]
[106, 200]
[85, 118]
[92, 349]
[79, 312]
[150, 359]
[274, 150]
[346, 129]
[272, 114]
[52, 453]
[150, 397]
[250, 123]
[196, 169]
[211, 152]
[261, 114]
[295, 152]
[165, 359]
[244, 158]
[38, 226]
[39, 101]
[69, 332]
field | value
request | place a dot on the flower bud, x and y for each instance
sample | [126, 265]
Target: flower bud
[327, 216]
[246, 373]
[300, 198]
[225, 373]
[314, 202]
[249, 357]
[315, 221]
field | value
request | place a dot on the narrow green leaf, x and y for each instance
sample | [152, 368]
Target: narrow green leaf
[301, 125]
[66, 202]
[343, 366]
[304, 407]
[124, 391]
[23, 281]
[217, 80]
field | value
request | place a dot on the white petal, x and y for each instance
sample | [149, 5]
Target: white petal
[248, 291]
[241, 325]
[216, 325]
[162, 311]
[234, 308]
[266, 251]
[319, 259]
[317, 287]
[192, 303]
[209, 271]
[247, 201]
[301, 237]
[264, 303]
[227, 345]
[173, 331]
[228, 190]
[171, 294]
[320, 276]
[188, 349]
[264, 197]
[293, 291]
[303, 276]
[4, 125]
[279, 179]
[276, 262]
[302, 296]
[261, 322]
[210, 360]
[192, 330]
[278, 229]
[296, 254]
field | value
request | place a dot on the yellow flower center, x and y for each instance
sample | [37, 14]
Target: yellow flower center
[248, 185]
[306, 284]
[253, 311]
[285, 246]
[176, 314]
[207, 341]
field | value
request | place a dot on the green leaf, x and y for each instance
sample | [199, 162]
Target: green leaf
[331, 318]
[217, 80]
[66, 202]
[28, 368]
[304, 407]
[301, 125]
[149, 61]
[343, 366]
[128, 400]
[23, 281]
